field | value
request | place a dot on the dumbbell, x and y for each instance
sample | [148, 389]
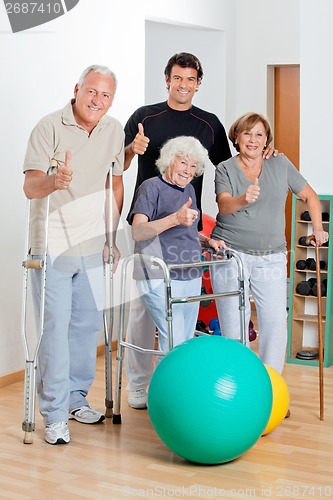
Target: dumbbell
[201, 326]
[305, 241]
[305, 287]
[214, 325]
[311, 264]
[252, 332]
[323, 288]
[301, 265]
[306, 216]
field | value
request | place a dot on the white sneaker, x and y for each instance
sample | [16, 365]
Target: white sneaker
[57, 433]
[86, 415]
[137, 399]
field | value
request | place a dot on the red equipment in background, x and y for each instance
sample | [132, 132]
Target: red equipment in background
[207, 310]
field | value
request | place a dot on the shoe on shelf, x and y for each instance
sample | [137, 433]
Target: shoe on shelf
[57, 433]
[137, 399]
[86, 415]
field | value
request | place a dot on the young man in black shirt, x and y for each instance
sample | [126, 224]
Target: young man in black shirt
[151, 126]
[146, 131]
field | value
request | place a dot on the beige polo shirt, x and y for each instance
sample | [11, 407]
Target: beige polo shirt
[77, 214]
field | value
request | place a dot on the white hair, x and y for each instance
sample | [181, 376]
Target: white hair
[186, 146]
[97, 68]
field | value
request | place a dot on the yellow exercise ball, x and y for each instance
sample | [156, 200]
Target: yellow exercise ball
[281, 399]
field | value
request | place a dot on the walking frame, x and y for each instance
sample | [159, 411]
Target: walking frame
[169, 302]
[31, 353]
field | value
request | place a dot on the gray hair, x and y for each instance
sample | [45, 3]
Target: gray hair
[183, 146]
[97, 68]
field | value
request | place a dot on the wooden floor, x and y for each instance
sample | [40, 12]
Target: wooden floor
[129, 461]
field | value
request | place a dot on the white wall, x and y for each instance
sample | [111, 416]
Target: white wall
[39, 68]
[266, 33]
[316, 42]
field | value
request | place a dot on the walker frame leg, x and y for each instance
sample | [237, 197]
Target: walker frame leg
[108, 328]
[119, 368]
[169, 301]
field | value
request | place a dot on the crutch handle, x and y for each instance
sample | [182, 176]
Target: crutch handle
[33, 263]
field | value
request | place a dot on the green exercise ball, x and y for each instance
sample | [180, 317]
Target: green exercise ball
[210, 399]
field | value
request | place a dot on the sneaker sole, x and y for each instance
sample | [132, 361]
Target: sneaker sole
[82, 421]
[142, 406]
[58, 441]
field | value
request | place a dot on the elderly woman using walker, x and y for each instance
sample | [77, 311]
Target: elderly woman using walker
[164, 222]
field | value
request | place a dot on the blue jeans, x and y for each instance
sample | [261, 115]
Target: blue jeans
[74, 303]
[266, 277]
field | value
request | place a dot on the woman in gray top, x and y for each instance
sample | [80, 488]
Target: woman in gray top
[251, 195]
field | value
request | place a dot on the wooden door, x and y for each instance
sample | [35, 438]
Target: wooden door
[287, 124]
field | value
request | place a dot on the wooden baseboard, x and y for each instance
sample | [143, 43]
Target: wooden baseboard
[13, 378]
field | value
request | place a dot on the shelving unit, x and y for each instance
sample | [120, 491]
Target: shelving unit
[302, 313]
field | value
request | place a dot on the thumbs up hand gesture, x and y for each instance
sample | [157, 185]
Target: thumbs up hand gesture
[252, 192]
[140, 143]
[185, 215]
[64, 174]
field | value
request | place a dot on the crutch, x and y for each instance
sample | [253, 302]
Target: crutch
[29, 264]
[320, 329]
[109, 311]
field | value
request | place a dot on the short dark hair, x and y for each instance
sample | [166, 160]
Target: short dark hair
[184, 60]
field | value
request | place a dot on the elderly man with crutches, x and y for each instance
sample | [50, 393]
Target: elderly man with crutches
[83, 146]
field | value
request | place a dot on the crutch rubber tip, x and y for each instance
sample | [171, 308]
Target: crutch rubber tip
[27, 438]
[108, 412]
[116, 419]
